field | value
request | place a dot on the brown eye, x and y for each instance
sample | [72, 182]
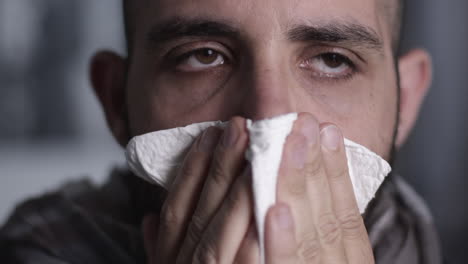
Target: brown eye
[206, 56]
[333, 60]
[329, 65]
[201, 59]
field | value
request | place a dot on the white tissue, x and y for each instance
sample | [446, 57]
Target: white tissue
[266, 142]
[156, 157]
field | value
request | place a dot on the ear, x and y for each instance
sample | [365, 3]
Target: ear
[107, 73]
[415, 69]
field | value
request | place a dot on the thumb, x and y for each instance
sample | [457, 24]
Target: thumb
[280, 242]
[149, 229]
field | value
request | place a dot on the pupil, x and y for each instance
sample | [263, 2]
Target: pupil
[208, 52]
[206, 56]
[333, 60]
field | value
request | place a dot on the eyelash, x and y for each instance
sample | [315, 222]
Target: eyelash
[187, 55]
[178, 56]
[353, 69]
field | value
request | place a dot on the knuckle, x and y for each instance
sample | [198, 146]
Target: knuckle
[329, 229]
[219, 175]
[313, 168]
[195, 229]
[296, 187]
[341, 171]
[188, 169]
[351, 224]
[169, 216]
[205, 254]
[309, 248]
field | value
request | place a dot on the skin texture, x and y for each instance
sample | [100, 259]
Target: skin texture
[262, 67]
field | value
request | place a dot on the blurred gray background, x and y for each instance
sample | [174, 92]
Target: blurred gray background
[52, 129]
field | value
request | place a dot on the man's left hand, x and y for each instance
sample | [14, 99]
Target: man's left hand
[316, 219]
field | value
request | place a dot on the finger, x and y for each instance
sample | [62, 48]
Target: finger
[323, 215]
[354, 234]
[249, 251]
[292, 187]
[223, 237]
[280, 244]
[183, 195]
[227, 163]
[150, 234]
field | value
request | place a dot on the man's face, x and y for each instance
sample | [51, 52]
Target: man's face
[205, 60]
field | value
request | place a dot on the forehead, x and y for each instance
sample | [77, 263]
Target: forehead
[280, 11]
[266, 16]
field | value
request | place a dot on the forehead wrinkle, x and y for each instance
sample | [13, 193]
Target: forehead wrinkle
[327, 12]
[178, 27]
[248, 13]
[335, 31]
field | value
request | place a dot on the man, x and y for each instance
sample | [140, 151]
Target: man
[333, 61]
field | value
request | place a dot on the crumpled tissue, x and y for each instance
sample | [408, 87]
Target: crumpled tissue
[157, 156]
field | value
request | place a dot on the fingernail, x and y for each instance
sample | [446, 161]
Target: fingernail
[310, 130]
[230, 135]
[208, 140]
[283, 217]
[331, 137]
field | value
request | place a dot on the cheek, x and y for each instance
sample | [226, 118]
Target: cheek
[375, 122]
[364, 108]
[170, 100]
[386, 114]
[144, 113]
[187, 92]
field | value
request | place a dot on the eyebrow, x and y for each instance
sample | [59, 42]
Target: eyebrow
[340, 32]
[333, 32]
[180, 27]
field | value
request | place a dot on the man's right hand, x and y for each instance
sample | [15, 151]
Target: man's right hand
[196, 224]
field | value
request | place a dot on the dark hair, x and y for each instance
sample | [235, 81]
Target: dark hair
[399, 21]
[128, 9]
[396, 15]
